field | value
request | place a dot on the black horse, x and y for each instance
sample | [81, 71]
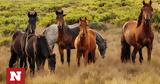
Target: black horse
[37, 50]
[19, 40]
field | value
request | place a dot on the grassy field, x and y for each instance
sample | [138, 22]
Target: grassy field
[105, 71]
[100, 12]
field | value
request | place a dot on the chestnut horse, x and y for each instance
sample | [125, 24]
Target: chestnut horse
[85, 43]
[138, 34]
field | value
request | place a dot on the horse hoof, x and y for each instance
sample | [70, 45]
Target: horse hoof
[141, 61]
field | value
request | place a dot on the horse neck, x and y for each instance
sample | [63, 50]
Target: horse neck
[64, 32]
[146, 27]
[30, 28]
[83, 30]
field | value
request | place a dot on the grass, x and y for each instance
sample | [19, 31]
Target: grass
[100, 14]
[105, 71]
[13, 14]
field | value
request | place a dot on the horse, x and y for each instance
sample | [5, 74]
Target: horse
[65, 38]
[138, 34]
[19, 40]
[51, 34]
[37, 50]
[85, 43]
[17, 51]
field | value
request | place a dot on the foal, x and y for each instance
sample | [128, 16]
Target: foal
[85, 43]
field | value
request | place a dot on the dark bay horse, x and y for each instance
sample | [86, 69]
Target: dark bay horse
[65, 38]
[19, 41]
[85, 43]
[37, 50]
[138, 34]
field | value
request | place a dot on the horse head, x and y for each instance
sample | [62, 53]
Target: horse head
[32, 15]
[83, 27]
[146, 13]
[52, 62]
[60, 19]
[103, 47]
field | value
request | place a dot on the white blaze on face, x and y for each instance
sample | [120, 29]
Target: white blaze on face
[15, 75]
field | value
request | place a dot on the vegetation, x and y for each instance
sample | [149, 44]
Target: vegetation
[13, 14]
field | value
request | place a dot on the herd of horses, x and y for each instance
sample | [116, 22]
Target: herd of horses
[27, 46]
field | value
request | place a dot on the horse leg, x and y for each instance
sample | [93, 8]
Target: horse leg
[21, 60]
[85, 54]
[78, 57]
[30, 64]
[140, 54]
[38, 63]
[68, 56]
[33, 62]
[94, 56]
[134, 54]
[25, 62]
[13, 59]
[149, 50]
[62, 55]
[43, 62]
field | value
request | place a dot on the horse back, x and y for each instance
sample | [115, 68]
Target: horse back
[31, 45]
[16, 45]
[91, 39]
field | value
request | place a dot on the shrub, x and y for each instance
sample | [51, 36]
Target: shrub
[5, 41]
[98, 25]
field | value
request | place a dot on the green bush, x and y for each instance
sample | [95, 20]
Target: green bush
[156, 17]
[5, 41]
[98, 25]
[13, 14]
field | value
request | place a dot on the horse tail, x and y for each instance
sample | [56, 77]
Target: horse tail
[15, 35]
[125, 50]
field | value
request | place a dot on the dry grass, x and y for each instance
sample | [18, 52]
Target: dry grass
[105, 71]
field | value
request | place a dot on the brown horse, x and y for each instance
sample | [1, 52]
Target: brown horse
[85, 43]
[19, 41]
[138, 34]
[65, 37]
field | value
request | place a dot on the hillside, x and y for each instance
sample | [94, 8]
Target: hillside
[107, 16]
[13, 14]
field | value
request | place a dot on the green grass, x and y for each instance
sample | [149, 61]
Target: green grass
[13, 14]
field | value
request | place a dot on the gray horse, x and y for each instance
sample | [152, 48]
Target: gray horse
[51, 34]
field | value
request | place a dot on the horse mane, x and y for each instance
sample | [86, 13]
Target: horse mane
[139, 19]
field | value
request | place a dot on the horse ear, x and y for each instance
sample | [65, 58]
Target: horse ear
[85, 18]
[59, 12]
[64, 14]
[144, 2]
[80, 18]
[150, 2]
[35, 14]
[29, 14]
[56, 12]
